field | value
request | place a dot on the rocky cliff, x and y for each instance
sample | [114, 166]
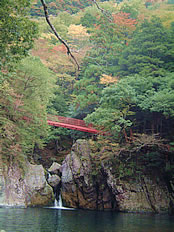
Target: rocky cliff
[29, 188]
[80, 188]
[84, 186]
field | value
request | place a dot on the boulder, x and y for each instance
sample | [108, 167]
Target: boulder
[80, 188]
[55, 168]
[38, 192]
[24, 187]
[53, 181]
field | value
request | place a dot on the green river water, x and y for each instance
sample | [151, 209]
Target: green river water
[56, 220]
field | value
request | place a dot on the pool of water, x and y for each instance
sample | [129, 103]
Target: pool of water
[56, 220]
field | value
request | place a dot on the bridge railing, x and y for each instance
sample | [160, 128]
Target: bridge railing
[71, 121]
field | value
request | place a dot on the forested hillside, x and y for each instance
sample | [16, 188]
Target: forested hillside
[56, 6]
[125, 85]
[26, 85]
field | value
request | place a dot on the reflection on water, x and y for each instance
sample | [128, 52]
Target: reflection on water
[52, 220]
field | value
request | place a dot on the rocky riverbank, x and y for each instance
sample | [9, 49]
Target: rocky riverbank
[23, 190]
[83, 185]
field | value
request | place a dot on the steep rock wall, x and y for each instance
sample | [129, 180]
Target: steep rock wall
[24, 189]
[80, 189]
[87, 188]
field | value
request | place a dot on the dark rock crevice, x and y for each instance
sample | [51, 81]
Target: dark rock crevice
[90, 185]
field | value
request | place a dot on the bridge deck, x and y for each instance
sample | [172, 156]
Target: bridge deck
[73, 127]
[71, 123]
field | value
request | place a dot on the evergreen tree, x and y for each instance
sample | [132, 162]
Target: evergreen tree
[25, 85]
[150, 52]
[17, 33]
[143, 103]
[108, 40]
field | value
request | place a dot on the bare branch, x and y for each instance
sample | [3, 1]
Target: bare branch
[103, 11]
[57, 35]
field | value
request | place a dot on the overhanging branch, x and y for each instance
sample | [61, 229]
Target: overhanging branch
[102, 10]
[56, 34]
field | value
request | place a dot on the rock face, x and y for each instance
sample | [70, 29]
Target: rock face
[2, 184]
[145, 196]
[29, 189]
[37, 190]
[80, 189]
[83, 184]
[85, 187]
[54, 181]
[54, 169]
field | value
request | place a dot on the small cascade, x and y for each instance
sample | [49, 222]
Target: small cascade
[55, 203]
[59, 205]
[60, 201]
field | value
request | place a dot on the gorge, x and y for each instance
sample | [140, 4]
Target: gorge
[82, 186]
[106, 163]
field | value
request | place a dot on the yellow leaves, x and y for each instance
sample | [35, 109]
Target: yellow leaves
[162, 10]
[167, 17]
[106, 79]
[77, 31]
[48, 36]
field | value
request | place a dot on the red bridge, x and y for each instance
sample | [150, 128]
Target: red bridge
[71, 123]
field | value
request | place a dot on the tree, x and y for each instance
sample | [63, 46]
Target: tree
[25, 84]
[108, 39]
[24, 99]
[144, 104]
[88, 20]
[150, 52]
[17, 32]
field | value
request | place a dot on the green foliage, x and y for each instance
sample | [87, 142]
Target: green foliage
[17, 32]
[146, 156]
[159, 98]
[87, 90]
[55, 6]
[131, 9]
[143, 102]
[150, 52]
[66, 18]
[24, 97]
[115, 105]
[108, 40]
[131, 100]
[88, 20]
[19, 85]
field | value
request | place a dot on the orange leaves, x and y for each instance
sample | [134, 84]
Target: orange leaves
[59, 48]
[122, 19]
[97, 26]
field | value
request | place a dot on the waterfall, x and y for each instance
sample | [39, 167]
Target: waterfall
[58, 203]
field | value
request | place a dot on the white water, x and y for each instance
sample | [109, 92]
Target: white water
[59, 205]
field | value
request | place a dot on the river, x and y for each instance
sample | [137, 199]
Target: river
[56, 220]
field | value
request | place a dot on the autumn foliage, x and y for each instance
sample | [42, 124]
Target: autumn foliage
[124, 21]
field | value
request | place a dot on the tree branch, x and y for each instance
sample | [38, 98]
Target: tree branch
[103, 11]
[57, 35]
